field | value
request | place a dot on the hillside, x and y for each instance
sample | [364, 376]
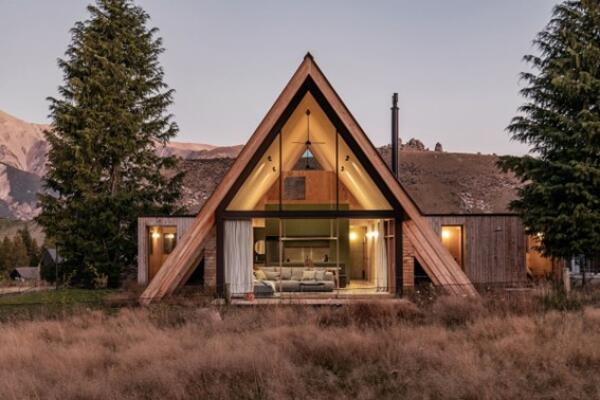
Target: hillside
[22, 144]
[439, 182]
[23, 156]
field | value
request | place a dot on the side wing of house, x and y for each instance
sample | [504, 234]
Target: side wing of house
[428, 249]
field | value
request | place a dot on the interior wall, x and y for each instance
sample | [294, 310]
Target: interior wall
[452, 239]
[357, 258]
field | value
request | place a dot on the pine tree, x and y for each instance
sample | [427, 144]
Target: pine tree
[19, 257]
[560, 198]
[33, 250]
[6, 250]
[110, 116]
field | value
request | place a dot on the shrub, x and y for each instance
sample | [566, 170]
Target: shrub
[456, 311]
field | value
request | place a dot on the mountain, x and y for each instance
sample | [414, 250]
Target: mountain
[22, 144]
[18, 193]
[23, 156]
[194, 151]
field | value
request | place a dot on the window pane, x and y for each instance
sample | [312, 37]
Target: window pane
[357, 189]
[308, 148]
[260, 191]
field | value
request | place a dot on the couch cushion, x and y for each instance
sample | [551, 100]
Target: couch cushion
[289, 285]
[260, 275]
[272, 276]
[297, 273]
[328, 276]
[308, 275]
[320, 275]
[286, 273]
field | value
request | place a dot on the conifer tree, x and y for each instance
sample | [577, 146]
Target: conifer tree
[18, 256]
[5, 249]
[33, 250]
[110, 115]
[560, 121]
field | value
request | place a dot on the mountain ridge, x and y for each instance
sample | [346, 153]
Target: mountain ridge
[24, 154]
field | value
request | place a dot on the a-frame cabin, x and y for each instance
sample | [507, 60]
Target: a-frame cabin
[309, 205]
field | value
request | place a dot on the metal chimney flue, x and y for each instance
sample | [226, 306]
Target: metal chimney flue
[395, 139]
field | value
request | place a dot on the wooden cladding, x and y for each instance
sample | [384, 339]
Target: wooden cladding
[494, 247]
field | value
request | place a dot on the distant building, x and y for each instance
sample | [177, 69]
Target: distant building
[25, 274]
[49, 261]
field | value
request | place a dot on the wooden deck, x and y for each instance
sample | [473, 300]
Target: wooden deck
[335, 298]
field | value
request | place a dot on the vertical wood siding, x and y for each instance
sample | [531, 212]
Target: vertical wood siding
[494, 247]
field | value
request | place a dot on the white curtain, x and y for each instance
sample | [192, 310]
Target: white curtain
[238, 256]
[381, 264]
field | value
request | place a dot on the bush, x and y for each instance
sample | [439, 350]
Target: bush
[457, 311]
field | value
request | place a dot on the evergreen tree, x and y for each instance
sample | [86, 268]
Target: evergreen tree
[106, 123]
[561, 122]
[18, 256]
[33, 250]
[5, 248]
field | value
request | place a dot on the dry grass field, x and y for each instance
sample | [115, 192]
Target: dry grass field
[449, 349]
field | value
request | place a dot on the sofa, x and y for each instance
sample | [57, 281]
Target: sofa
[294, 279]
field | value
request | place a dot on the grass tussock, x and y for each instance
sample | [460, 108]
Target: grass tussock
[454, 348]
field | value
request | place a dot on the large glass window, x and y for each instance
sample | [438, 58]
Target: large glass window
[351, 256]
[357, 190]
[309, 159]
[261, 189]
[309, 166]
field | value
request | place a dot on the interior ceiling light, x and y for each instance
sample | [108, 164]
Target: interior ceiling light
[446, 233]
[155, 235]
[170, 236]
[308, 142]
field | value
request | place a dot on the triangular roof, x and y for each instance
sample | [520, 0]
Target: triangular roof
[430, 252]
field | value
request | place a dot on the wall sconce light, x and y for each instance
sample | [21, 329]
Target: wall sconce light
[155, 235]
[353, 235]
[446, 234]
[170, 236]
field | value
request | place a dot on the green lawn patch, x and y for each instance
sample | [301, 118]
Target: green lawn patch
[60, 296]
[52, 304]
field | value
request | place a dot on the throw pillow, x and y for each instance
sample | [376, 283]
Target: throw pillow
[320, 275]
[296, 274]
[272, 276]
[308, 275]
[260, 275]
[328, 276]
[286, 273]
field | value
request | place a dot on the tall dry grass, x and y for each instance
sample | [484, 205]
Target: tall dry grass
[454, 349]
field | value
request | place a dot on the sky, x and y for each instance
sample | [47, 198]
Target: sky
[454, 63]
